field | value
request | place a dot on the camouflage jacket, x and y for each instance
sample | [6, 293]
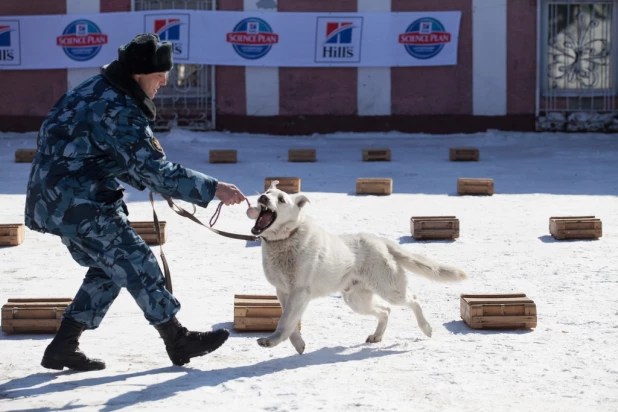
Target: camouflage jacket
[95, 134]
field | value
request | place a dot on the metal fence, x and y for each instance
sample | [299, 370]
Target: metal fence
[578, 66]
[188, 99]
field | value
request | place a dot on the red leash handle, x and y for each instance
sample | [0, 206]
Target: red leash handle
[215, 216]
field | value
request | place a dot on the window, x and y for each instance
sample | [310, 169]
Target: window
[579, 52]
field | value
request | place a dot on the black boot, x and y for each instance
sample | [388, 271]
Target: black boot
[182, 345]
[63, 351]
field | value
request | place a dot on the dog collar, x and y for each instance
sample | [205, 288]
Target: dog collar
[292, 233]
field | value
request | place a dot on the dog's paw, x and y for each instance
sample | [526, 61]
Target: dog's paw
[426, 328]
[373, 339]
[299, 346]
[263, 342]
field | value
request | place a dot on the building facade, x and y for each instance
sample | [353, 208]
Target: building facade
[522, 65]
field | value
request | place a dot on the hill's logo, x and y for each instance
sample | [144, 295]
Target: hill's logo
[5, 36]
[168, 29]
[81, 40]
[173, 28]
[252, 38]
[9, 43]
[425, 38]
[338, 39]
[339, 32]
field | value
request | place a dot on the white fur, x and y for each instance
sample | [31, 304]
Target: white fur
[310, 263]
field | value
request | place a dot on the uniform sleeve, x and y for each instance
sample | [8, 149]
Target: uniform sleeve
[126, 178]
[131, 143]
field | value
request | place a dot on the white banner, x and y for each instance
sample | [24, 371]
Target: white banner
[235, 38]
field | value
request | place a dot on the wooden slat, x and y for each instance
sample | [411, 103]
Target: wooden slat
[30, 325]
[223, 156]
[435, 234]
[463, 154]
[25, 155]
[10, 229]
[434, 227]
[432, 217]
[37, 304]
[503, 319]
[256, 302]
[257, 311]
[42, 300]
[575, 227]
[301, 155]
[571, 217]
[578, 232]
[248, 321]
[12, 234]
[256, 324]
[289, 185]
[498, 310]
[149, 226]
[152, 239]
[492, 295]
[32, 313]
[475, 186]
[498, 301]
[374, 185]
[266, 324]
[255, 297]
[381, 154]
[146, 230]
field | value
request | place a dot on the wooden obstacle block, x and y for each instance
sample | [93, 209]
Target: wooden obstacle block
[498, 311]
[223, 156]
[463, 154]
[33, 315]
[372, 155]
[257, 312]
[434, 227]
[24, 155]
[301, 155]
[286, 184]
[575, 227]
[12, 234]
[147, 232]
[374, 186]
[469, 186]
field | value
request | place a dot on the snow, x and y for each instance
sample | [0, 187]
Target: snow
[568, 363]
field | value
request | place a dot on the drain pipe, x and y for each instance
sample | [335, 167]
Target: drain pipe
[213, 93]
[539, 16]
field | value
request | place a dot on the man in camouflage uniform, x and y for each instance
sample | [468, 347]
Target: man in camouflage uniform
[95, 134]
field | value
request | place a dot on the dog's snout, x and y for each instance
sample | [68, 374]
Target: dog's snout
[263, 199]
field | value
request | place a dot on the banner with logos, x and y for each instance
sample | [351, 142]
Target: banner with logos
[282, 39]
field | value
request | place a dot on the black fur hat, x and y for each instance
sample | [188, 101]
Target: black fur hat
[146, 53]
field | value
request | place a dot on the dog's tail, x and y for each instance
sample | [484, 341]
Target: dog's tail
[426, 267]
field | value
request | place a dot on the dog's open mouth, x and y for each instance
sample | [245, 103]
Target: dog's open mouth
[266, 218]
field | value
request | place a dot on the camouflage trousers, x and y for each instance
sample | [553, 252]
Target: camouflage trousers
[117, 257]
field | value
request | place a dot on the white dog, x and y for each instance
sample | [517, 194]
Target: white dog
[303, 262]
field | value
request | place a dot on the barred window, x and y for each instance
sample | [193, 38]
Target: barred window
[579, 42]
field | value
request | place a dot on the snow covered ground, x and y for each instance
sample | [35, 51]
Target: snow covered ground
[568, 363]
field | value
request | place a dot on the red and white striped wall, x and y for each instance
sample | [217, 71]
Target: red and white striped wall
[492, 86]
[27, 95]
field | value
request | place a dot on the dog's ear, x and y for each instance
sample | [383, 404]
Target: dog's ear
[301, 201]
[273, 184]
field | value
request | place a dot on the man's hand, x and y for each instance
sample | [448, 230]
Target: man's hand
[229, 194]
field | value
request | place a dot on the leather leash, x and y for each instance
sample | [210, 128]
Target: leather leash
[182, 212]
